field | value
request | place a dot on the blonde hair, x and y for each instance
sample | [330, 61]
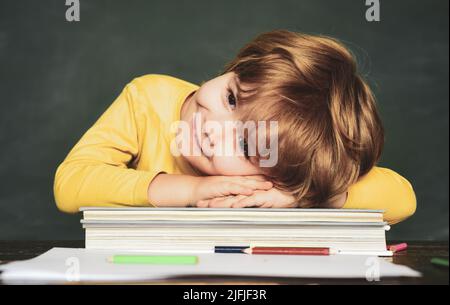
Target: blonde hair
[329, 130]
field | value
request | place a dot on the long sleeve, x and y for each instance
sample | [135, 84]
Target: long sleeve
[383, 189]
[96, 173]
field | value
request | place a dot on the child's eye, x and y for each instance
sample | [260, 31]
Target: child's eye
[231, 100]
[244, 146]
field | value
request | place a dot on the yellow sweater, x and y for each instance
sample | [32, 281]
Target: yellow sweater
[116, 159]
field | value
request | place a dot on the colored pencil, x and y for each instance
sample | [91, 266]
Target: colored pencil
[440, 261]
[229, 249]
[398, 248]
[289, 251]
[154, 259]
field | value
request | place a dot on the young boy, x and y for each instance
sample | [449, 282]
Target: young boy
[328, 138]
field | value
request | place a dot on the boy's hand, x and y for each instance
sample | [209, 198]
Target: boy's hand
[272, 198]
[212, 187]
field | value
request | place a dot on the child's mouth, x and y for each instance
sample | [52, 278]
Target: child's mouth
[197, 140]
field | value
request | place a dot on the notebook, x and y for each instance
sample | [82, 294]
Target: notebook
[193, 230]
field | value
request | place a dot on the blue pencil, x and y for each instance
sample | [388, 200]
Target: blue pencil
[231, 249]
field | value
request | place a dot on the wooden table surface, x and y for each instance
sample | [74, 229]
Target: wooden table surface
[417, 256]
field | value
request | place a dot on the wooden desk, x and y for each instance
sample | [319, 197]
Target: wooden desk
[417, 257]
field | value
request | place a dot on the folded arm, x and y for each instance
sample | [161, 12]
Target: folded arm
[96, 173]
[380, 189]
[383, 189]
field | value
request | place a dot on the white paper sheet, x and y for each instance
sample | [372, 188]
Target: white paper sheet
[63, 265]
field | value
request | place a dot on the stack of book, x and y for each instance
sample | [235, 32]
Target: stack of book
[192, 230]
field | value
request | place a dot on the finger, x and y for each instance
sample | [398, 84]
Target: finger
[217, 203]
[257, 185]
[232, 188]
[226, 202]
[213, 202]
[202, 204]
[266, 205]
[257, 177]
[254, 184]
[250, 201]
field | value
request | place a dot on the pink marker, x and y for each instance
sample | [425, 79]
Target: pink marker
[398, 248]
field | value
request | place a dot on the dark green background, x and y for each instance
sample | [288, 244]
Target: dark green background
[57, 77]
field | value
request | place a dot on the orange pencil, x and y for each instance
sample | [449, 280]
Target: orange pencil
[289, 251]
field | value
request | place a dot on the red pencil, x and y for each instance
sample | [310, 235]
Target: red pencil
[289, 251]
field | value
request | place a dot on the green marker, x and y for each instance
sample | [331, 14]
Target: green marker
[154, 259]
[440, 261]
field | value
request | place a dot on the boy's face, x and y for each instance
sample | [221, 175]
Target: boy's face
[211, 143]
